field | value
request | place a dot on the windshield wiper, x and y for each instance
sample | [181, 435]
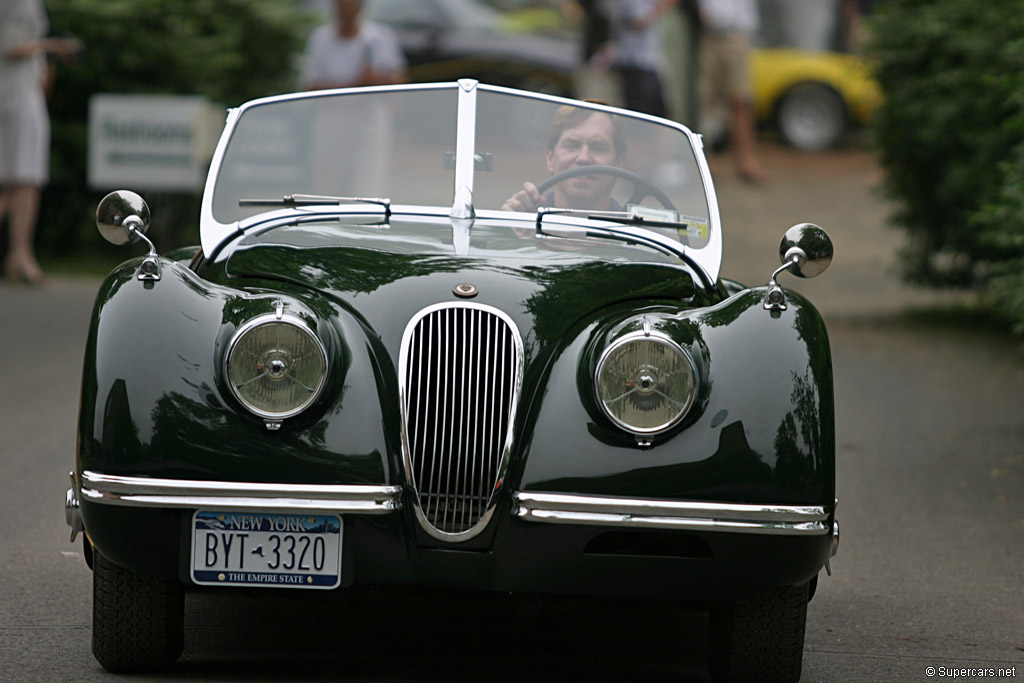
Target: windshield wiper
[634, 218]
[292, 200]
[640, 217]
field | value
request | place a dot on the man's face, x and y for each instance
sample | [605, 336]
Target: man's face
[588, 143]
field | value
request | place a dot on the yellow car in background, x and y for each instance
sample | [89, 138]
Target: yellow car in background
[813, 98]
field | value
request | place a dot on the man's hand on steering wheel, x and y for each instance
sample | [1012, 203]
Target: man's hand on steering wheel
[528, 199]
[641, 187]
[531, 197]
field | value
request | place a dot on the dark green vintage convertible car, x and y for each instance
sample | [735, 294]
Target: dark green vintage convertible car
[455, 336]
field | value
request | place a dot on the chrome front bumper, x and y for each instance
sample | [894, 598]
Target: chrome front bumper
[560, 508]
[230, 495]
[554, 508]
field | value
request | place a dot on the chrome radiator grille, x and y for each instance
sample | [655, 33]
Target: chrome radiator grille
[460, 372]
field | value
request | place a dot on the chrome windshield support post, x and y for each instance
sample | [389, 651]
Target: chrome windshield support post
[462, 207]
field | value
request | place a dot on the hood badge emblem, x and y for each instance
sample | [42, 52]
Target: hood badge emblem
[465, 290]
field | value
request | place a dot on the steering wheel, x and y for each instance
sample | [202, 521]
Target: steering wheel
[641, 187]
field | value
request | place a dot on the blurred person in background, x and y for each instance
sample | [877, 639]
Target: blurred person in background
[854, 12]
[25, 79]
[351, 52]
[636, 45]
[727, 26]
[595, 79]
[345, 53]
[596, 27]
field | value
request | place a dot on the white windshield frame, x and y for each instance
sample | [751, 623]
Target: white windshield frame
[215, 234]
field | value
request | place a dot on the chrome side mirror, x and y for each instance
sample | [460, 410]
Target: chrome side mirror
[122, 217]
[806, 251]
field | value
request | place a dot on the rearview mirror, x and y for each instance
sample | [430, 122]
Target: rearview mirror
[122, 217]
[807, 249]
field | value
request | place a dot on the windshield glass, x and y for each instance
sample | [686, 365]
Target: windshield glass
[632, 162]
[396, 144]
[403, 144]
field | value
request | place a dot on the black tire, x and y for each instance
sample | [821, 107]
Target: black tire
[138, 622]
[761, 637]
[812, 117]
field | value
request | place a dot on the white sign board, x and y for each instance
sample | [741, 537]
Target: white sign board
[151, 142]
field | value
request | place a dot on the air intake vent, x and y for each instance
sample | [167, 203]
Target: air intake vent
[460, 373]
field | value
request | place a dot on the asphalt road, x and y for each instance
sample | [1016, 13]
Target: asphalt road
[930, 429]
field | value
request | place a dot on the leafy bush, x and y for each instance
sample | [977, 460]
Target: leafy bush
[227, 50]
[1001, 226]
[951, 137]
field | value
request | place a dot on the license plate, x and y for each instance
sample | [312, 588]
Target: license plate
[266, 549]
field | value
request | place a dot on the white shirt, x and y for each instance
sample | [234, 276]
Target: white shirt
[636, 47]
[730, 15]
[21, 21]
[339, 61]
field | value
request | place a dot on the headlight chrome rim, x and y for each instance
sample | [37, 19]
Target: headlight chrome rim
[657, 338]
[278, 367]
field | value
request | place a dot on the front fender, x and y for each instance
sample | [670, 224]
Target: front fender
[763, 430]
[154, 402]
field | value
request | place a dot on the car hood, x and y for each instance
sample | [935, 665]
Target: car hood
[385, 280]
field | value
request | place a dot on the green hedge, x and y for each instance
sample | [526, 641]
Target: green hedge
[229, 51]
[951, 138]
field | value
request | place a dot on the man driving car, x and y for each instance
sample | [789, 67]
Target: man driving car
[577, 137]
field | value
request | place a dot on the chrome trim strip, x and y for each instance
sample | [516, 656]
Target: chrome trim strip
[184, 493]
[561, 508]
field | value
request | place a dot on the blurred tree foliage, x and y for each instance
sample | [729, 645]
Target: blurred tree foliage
[229, 51]
[951, 137]
[1001, 222]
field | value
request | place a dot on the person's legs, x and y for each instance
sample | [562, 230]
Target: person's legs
[741, 132]
[736, 54]
[641, 90]
[24, 152]
[714, 115]
[22, 204]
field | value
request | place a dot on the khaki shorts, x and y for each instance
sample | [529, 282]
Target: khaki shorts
[724, 67]
[24, 138]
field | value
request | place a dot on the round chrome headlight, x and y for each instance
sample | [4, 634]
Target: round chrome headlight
[645, 383]
[276, 367]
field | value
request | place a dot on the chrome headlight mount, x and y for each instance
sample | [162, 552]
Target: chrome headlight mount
[275, 366]
[645, 383]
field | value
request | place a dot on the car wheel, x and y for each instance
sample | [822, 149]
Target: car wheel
[760, 637]
[138, 622]
[811, 117]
